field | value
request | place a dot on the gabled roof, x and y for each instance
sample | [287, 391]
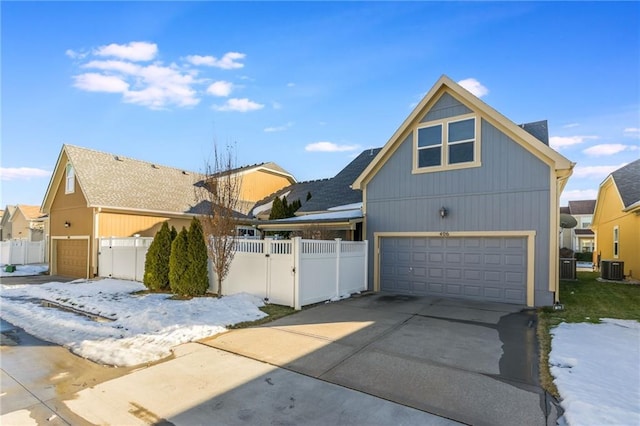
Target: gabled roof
[627, 181]
[122, 183]
[30, 212]
[559, 163]
[582, 207]
[7, 213]
[325, 193]
[269, 167]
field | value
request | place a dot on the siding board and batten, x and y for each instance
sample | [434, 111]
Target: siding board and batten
[504, 205]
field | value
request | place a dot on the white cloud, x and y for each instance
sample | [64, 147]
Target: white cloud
[609, 149]
[240, 105]
[22, 173]
[227, 62]
[93, 82]
[133, 51]
[276, 105]
[75, 55]
[594, 172]
[155, 86]
[571, 125]
[220, 88]
[117, 66]
[633, 132]
[329, 147]
[291, 84]
[558, 142]
[279, 128]
[474, 86]
[578, 194]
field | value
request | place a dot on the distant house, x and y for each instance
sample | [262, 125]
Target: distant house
[580, 238]
[616, 220]
[96, 194]
[5, 223]
[330, 208]
[462, 202]
[23, 222]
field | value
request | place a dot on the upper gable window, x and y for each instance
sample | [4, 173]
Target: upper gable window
[448, 143]
[70, 180]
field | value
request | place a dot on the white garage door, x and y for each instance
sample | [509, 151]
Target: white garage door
[480, 268]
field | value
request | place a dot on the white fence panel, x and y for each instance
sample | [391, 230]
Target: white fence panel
[318, 275]
[5, 252]
[247, 272]
[353, 267]
[123, 258]
[22, 252]
[281, 273]
[285, 272]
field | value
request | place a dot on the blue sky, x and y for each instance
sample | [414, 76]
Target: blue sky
[307, 85]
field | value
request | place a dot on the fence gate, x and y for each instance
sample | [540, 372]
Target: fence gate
[264, 268]
[123, 257]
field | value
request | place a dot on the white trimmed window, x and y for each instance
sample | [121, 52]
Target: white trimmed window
[616, 241]
[70, 180]
[452, 143]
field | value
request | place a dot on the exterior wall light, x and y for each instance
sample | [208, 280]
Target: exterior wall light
[443, 212]
[67, 224]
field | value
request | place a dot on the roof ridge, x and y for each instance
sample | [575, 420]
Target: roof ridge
[123, 157]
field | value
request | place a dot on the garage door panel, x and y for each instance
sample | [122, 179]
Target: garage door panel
[72, 258]
[479, 268]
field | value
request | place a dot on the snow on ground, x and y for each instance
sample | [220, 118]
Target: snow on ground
[597, 371]
[144, 327]
[24, 270]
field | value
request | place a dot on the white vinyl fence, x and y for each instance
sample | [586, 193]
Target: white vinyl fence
[285, 272]
[297, 272]
[22, 252]
[123, 257]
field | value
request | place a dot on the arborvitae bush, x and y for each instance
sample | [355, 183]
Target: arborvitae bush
[277, 209]
[156, 264]
[196, 275]
[174, 233]
[178, 262]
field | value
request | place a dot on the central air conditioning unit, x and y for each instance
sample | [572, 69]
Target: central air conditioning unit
[612, 270]
[567, 268]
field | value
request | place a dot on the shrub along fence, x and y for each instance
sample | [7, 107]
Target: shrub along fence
[293, 272]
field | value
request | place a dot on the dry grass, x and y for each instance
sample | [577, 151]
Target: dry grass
[273, 313]
[585, 300]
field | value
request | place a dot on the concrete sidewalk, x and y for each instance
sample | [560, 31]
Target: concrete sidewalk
[207, 386]
[472, 362]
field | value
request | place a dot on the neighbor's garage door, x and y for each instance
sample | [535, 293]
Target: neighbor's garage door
[72, 257]
[481, 268]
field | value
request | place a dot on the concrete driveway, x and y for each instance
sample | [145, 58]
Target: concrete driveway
[471, 362]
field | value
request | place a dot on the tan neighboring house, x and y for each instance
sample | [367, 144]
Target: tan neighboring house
[616, 220]
[23, 222]
[5, 223]
[96, 194]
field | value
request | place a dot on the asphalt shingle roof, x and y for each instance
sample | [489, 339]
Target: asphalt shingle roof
[327, 193]
[627, 180]
[115, 181]
[582, 206]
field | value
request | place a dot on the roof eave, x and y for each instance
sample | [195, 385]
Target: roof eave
[542, 151]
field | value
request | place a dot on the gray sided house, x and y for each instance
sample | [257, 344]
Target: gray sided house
[462, 202]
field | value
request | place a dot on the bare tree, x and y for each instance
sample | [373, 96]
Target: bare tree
[219, 197]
